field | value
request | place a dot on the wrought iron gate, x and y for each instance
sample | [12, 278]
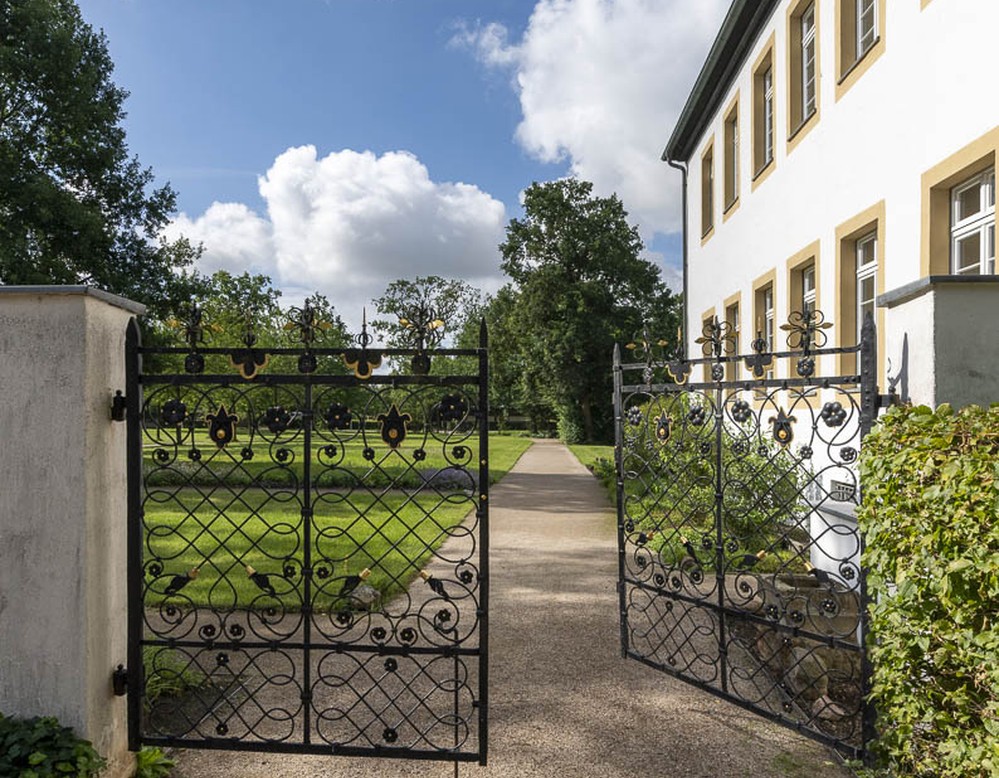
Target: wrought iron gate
[739, 555]
[308, 546]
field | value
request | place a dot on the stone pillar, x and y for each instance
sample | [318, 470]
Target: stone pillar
[63, 607]
[941, 340]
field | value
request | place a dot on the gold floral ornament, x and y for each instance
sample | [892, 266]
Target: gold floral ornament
[664, 428]
[394, 426]
[783, 433]
[363, 361]
[222, 426]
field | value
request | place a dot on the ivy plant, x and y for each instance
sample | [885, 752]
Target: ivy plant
[930, 515]
[43, 748]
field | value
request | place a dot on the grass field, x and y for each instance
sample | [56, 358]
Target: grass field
[216, 538]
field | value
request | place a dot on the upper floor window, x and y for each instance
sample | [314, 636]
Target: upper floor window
[808, 61]
[768, 115]
[732, 156]
[973, 225]
[867, 26]
[707, 191]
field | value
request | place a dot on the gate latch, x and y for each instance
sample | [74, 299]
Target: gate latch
[119, 681]
[118, 407]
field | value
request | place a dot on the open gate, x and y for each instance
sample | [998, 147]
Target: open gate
[739, 554]
[308, 546]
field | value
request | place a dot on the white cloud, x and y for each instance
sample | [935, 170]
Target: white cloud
[601, 84]
[349, 223]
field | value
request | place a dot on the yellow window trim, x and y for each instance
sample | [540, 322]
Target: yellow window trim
[797, 262]
[848, 76]
[730, 206]
[844, 322]
[936, 184]
[797, 130]
[708, 196]
[760, 173]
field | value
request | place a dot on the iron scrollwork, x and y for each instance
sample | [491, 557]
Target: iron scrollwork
[310, 552]
[739, 557]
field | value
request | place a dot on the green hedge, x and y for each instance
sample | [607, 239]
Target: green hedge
[931, 517]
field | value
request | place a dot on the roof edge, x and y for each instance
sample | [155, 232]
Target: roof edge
[739, 31]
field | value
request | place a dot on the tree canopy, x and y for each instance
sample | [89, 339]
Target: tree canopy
[75, 207]
[581, 286]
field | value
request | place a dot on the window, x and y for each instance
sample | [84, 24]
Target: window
[802, 67]
[807, 301]
[861, 39]
[767, 308]
[764, 120]
[768, 116]
[867, 26]
[973, 225]
[867, 272]
[734, 342]
[958, 207]
[732, 156]
[803, 280]
[707, 191]
[860, 272]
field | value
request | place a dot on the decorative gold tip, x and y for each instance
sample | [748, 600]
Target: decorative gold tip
[761, 554]
[325, 325]
[173, 323]
[809, 566]
[404, 321]
[683, 540]
[436, 324]
[193, 573]
[363, 575]
[631, 346]
[662, 342]
[289, 325]
[250, 570]
[425, 575]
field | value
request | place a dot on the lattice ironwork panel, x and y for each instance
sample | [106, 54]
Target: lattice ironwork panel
[309, 558]
[739, 555]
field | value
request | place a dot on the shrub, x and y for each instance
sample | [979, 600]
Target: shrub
[929, 513]
[41, 747]
[152, 763]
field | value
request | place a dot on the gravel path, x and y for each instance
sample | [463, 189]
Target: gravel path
[563, 701]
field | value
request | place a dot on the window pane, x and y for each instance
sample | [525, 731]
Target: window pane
[990, 250]
[867, 250]
[968, 254]
[768, 115]
[867, 26]
[967, 202]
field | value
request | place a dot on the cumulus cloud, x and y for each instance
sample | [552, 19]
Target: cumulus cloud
[601, 84]
[349, 223]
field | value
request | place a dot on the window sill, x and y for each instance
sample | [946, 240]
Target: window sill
[761, 175]
[802, 128]
[853, 73]
[730, 209]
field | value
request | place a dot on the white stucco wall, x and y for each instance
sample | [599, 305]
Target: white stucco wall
[923, 99]
[62, 511]
[946, 330]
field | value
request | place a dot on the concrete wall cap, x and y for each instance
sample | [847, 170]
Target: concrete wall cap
[55, 289]
[920, 287]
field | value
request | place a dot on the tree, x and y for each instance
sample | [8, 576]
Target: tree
[74, 206]
[439, 309]
[582, 287]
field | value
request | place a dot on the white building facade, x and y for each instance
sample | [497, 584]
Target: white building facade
[841, 155]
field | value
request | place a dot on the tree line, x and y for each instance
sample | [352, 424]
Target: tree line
[77, 208]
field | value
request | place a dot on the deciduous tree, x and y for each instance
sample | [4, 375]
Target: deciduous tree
[582, 286]
[75, 206]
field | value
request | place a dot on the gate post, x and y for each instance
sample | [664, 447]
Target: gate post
[62, 510]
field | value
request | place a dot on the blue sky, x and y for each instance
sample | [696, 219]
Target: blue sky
[339, 144]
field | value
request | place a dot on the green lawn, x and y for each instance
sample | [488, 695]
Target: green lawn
[599, 460]
[193, 459]
[217, 539]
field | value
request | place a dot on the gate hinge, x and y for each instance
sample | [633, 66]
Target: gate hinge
[118, 406]
[119, 681]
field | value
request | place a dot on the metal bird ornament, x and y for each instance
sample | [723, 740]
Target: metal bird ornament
[178, 582]
[351, 582]
[750, 560]
[262, 580]
[689, 548]
[436, 585]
